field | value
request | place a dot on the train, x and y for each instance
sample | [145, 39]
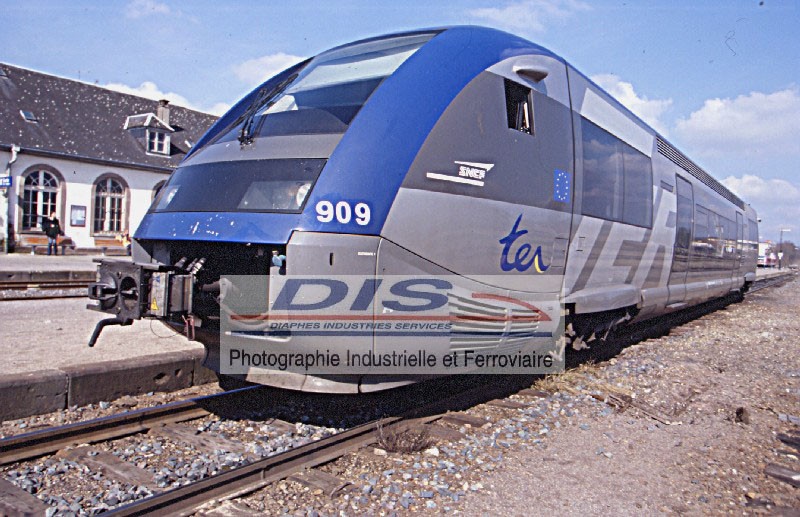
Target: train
[453, 160]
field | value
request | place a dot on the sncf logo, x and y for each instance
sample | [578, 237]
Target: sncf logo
[474, 170]
[469, 173]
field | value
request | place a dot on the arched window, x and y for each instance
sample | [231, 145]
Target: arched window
[39, 198]
[109, 206]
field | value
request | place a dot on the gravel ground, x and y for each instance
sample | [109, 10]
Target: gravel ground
[727, 384]
[683, 423]
[268, 422]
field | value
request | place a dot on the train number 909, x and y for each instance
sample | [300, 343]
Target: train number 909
[343, 212]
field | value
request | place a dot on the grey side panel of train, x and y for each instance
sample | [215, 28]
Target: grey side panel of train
[641, 226]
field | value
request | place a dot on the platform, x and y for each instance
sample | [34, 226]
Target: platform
[771, 272]
[25, 262]
[48, 366]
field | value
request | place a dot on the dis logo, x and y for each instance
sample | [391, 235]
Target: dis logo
[522, 261]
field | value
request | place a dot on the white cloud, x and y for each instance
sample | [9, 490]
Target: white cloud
[150, 90]
[648, 110]
[218, 109]
[142, 8]
[756, 189]
[529, 15]
[776, 200]
[256, 71]
[753, 124]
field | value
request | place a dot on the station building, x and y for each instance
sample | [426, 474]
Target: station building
[93, 156]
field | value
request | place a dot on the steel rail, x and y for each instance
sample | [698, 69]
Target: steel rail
[47, 441]
[42, 284]
[241, 480]
[41, 289]
[248, 478]
[769, 282]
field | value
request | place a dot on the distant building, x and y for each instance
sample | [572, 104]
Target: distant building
[94, 156]
[766, 254]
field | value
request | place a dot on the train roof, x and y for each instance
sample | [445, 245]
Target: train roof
[464, 32]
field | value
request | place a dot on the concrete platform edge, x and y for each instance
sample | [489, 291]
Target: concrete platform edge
[31, 393]
[44, 391]
[47, 276]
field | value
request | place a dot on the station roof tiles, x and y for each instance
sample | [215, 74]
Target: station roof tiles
[74, 118]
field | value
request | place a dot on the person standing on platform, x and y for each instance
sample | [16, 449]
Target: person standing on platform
[52, 228]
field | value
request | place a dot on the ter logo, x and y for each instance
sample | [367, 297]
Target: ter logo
[522, 252]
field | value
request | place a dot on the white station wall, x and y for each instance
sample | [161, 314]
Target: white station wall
[79, 180]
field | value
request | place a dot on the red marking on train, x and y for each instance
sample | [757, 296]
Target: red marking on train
[486, 296]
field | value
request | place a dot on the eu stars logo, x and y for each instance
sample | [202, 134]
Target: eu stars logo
[561, 186]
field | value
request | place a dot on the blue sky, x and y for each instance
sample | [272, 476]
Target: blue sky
[720, 79]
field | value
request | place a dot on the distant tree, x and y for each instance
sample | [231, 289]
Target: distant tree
[791, 255]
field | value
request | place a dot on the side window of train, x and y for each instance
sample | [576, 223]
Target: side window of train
[617, 179]
[702, 244]
[519, 107]
[739, 236]
[637, 206]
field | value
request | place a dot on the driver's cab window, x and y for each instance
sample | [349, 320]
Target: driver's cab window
[519, 107]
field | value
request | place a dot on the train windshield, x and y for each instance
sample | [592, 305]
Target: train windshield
[327, 93]
[337, 83]
[279, 185]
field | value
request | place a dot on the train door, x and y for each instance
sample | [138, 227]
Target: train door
[537, 109]
[683, 238]
[739, 250]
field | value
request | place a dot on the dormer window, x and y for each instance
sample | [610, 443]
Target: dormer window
[152, 130]
[157, 142]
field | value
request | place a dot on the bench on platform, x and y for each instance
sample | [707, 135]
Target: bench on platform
[34, 242]
[37, 244]
[110, 246]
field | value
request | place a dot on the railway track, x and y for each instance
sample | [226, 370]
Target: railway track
[47, 441]
[70, 442]
[54, 284]
[251, 477]
[258, 474]
[771, 282]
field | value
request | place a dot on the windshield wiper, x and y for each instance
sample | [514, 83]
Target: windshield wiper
[246, 133]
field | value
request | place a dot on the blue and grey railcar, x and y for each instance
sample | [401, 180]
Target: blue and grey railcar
[462, 151]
